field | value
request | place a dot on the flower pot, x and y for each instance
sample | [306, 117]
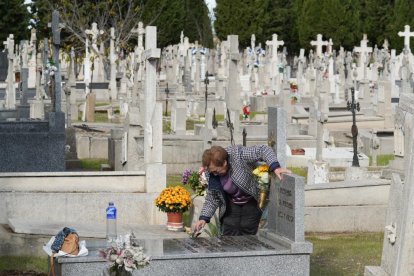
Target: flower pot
[175, 221]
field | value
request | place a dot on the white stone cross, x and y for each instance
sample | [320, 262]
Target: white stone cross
[10, 96]
[233, 92]
[363, 50]
[329, 47]
[406, 34]
[150, 56]
[319, 43]
[253, 42]
[140, 31]
[24, 52]
[253, 45]
[9, 43]
[94, 32]
[385, 45]
[274, 43]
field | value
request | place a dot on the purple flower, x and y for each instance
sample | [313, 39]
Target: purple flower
[186, 175]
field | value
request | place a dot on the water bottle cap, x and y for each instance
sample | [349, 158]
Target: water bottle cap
[111, 203]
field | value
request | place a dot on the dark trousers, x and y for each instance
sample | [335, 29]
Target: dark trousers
[241, 219]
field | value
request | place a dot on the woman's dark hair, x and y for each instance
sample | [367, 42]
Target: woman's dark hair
[216, 155]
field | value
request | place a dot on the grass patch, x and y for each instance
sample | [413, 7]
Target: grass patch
[102, 104]
[28, 263]
[382, 159]
[344, 254]
[166, 126]
[101, 117]
[301, 171]
[92, 164]
[189, 124]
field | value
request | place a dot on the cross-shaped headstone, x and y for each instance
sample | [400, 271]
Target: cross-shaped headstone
[10, 90]
[9, 43]
[363, 50]
[329, 47]
[302, 55]
[140, 31]
[56, 27]
[319, 43]
[24, 52]
[150, 56]
[253, 46]
[274, 43]
[94, 32]
[385, 45]
[406, 34]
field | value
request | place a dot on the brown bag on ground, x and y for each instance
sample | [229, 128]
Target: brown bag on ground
[71, 244]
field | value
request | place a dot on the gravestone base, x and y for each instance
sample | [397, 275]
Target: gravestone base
[318, 172]
[37, 109]
[355, 173]
[241, 255]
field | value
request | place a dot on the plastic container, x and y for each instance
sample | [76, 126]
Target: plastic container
[111, 222]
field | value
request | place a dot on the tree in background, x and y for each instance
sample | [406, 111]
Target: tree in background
[280, 19]
[242, 18]
[173, 16]
[197, 23]
[78, 16]
[376, 16]
[14, 20]
[403, 15]
[334, 19]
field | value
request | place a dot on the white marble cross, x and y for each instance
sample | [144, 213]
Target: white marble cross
[150, 56]
[140, 31]
[112, 60]
[329, 47]
[406, 34]
[232, 95]
[10, 96]
[24, 52]
[9, 43]
[274, 43]
[94, 32]
[319, 43]
[253, 45]
[363, 49]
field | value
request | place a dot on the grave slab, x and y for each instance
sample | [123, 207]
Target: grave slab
[242, 255]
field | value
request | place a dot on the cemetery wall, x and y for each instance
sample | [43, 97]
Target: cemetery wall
[67, 197]
[346, 207]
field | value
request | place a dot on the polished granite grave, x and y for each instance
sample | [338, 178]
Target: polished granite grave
[213, 245]
[242, 255]
[278, 249]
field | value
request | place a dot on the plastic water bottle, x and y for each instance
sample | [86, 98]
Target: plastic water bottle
[111, 222]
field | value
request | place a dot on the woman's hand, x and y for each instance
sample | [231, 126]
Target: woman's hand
[280, 171]
[199, 225]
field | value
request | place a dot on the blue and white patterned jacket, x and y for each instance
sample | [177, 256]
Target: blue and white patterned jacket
[242, 161]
